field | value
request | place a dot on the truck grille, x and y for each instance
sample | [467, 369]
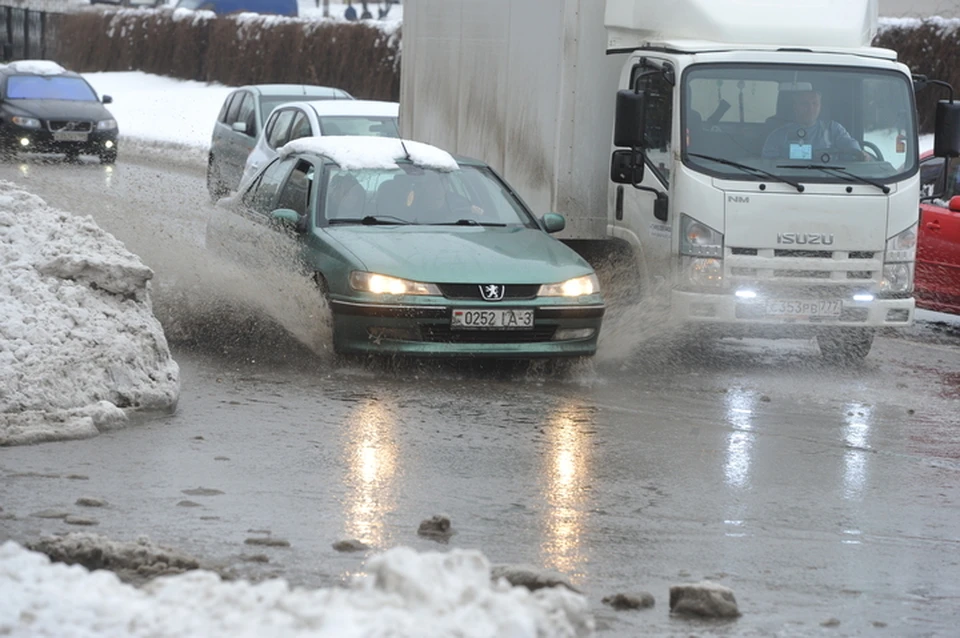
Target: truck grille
[58, 126]
[785, 267]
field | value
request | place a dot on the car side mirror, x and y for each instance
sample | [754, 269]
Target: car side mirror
[288, 217]
[946, 141]
[626, 167]
[630, 124]
[107, 99]
[553, 222]
[239, 127]
[954, 204]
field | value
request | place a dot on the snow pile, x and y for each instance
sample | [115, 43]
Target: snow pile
[944, 25]
[379, 153]
[404, 594]
[78, 338]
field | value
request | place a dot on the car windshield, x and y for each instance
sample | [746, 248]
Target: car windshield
[414, 195]
[359, 125]
[799, 123]
[47, 87]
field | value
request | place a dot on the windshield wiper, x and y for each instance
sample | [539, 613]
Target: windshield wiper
[750, 169]
[371, 220]
[467, 222]
[839, 171]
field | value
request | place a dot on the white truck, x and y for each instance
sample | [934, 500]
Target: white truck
[757, 160]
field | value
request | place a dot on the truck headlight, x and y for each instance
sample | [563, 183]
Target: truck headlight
[703, 272]
[387, 285]
[25, 122]
[106, 125]
[902, 247]
[578, 287]
[897, 278]
[698, 239]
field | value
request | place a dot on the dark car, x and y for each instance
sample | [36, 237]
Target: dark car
[46, 109]
[225, 7]
[240, 121]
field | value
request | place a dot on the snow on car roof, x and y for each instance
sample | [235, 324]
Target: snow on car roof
[356, 152]
[371, 108]
[37, 67]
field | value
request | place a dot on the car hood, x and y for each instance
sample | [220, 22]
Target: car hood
[460, 254]
[60, 109]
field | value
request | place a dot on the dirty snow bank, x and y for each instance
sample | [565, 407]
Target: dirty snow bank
[403, 594]
[78, 338]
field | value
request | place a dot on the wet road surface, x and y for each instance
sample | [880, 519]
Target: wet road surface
[816, 492]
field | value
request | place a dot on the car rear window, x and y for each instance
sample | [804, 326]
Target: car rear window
[359, 125]
[35, 87]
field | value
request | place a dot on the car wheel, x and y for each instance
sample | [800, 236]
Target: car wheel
[846, 346]
[215, 184]
[108, 157]
[324, 289]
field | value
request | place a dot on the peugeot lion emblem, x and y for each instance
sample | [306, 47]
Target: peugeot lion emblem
[492, 292]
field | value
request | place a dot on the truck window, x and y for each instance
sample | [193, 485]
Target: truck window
[659, 124]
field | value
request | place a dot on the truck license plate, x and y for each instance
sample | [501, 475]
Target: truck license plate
[804, 308]
[499, 319]
[70, 136]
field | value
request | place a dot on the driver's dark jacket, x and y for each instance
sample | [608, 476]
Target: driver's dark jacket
[822, 136]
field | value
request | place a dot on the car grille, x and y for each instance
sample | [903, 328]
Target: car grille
[58, 126]
[777, 266]
[443, 334]
[472, 291]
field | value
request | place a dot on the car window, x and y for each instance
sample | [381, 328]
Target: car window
[46, 87]
[247, 115]
[281, 129]
[300, 127]
[235, 106]
[262, 193]
[296, 192]
[931, 176]
[359, 125]
[226, 108]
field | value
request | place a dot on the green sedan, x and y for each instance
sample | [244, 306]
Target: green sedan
[417, 253]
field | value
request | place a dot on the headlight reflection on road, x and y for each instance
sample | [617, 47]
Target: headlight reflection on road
[856, 435]
[566, 472]
[739, 457]
[24, 169]
[370, 453]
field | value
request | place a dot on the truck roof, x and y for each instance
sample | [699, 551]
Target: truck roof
[707, 46]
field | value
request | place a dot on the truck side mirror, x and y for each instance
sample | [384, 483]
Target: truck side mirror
[626, 167]
[629, 129]
[946, 141]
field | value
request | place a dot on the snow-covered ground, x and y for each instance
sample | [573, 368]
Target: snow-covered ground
[402, 595]
[79, 343]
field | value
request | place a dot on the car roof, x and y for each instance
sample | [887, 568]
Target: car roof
[370, 108]
[35, 67]
[297, 89]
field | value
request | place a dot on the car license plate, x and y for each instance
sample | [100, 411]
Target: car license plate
[70, 136]
[804, 308]
[498, 319]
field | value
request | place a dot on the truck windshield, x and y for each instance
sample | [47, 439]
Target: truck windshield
[857, 123]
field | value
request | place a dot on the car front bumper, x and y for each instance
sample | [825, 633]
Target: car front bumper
[568, 330]
[42, 141]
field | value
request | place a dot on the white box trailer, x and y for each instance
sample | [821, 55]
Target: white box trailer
[764, 170]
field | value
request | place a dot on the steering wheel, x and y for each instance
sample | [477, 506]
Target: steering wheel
[870, 146]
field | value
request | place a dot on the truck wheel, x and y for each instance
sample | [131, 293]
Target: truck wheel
[215, 184]
[849, 346]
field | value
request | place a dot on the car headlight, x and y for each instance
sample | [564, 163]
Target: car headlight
[577, 287]
[902, 247]
[704, 272]
[106, 125]
[387, 285]
[897, 278]
[698, 239]
[25, 122]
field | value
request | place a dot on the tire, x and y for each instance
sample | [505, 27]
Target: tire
[324, 289]
[850, 346]
[215, 184]
[108, 157]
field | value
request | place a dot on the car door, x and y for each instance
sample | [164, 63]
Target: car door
[938, 239]
[242, 137]
[244, 231]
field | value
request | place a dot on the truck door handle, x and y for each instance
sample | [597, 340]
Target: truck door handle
[933, 226]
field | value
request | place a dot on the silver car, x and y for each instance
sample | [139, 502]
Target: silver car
[240, 122]
[292, 121]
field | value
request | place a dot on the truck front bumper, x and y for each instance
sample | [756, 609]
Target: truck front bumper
[733, 316]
